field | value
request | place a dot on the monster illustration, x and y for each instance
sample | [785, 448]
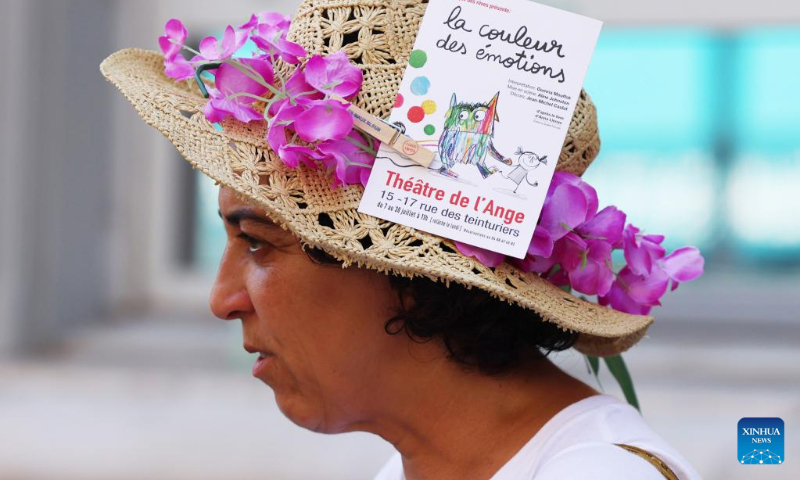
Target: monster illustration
[467, 137]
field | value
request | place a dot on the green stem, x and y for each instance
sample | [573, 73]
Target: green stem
[199, 71]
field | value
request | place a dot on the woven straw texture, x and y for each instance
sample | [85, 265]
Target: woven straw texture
[378, 36]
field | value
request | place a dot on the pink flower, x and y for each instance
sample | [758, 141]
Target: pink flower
[333, 74]
[323, 120]
[569, 203]
[219, 106]
[541, 242]
[540, 256]
[232, 41]
[276, 135]
[292, 155]
[593, 276]
[535, 263]
[607, 225]
[641, 251]
[347, 157]
[565, 178]
[171, 44]
[683, 265]
[277, 20]
[569, 251]
[486, 257]
[231, 81]
[271, 38]
[297, 89]
[636, 294]
[363, 176]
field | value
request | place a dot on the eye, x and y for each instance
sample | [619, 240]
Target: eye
[480, 115]
[253, 244]
[463, 115]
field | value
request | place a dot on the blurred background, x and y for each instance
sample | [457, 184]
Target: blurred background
[112, 367]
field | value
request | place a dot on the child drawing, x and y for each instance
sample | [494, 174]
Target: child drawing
[527, 162]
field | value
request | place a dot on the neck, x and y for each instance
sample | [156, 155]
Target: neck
[443, 422]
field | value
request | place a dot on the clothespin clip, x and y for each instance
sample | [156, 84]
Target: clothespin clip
[388, 134]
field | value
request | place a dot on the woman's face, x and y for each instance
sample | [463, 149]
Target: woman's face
[319, 328]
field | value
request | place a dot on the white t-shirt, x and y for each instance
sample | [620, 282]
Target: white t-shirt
[578, 443]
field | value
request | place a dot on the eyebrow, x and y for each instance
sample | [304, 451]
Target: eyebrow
[237, 216]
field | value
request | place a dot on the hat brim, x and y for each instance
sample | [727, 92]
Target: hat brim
[303, 201]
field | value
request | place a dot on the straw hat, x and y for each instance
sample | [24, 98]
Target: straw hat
[378, 36]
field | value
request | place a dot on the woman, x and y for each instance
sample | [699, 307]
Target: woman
[360, 324]
[345, 349]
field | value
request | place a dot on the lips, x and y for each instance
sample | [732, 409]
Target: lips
[262, 363]
[265, 358]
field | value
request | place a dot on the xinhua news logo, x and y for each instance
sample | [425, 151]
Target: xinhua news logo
[761, 441]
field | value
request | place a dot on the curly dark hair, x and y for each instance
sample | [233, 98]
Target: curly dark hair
[478, 330]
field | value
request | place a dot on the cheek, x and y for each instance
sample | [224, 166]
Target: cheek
[326, 326]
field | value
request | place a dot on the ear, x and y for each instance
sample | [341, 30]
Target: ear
[453, 100]
[493, 105]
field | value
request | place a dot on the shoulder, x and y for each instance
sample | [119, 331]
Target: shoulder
[598, 461]
[579, 442]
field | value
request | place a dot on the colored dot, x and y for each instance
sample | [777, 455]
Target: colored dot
[418, 58]
[416, 114]
[429, 106]
[420, 85]
[430, 129]
[398, 102]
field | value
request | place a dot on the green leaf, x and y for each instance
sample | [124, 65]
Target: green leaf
[620, 372]
[594, 369]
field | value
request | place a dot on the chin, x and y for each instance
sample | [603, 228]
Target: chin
[300, 412]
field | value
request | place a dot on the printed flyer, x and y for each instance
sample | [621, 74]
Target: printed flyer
[490, 88]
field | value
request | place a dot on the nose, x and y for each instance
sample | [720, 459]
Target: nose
[229, 298]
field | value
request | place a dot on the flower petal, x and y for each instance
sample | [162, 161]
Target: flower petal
[174, 40]
[570, 251]
[619, 300]
[541, 242]
[646, 290]
[276, 134]
[324, 120]
[333, 74]
[486, 257]
[175, 30]
[637, 257]
[350, 159]
[684, 264]
[272, 40]
[208, 48]
[608, 225]
[292, 155]
[534, 263]
[230, 80]
[562, 178]
[595, 276]
[179, 68]
[564, 210]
